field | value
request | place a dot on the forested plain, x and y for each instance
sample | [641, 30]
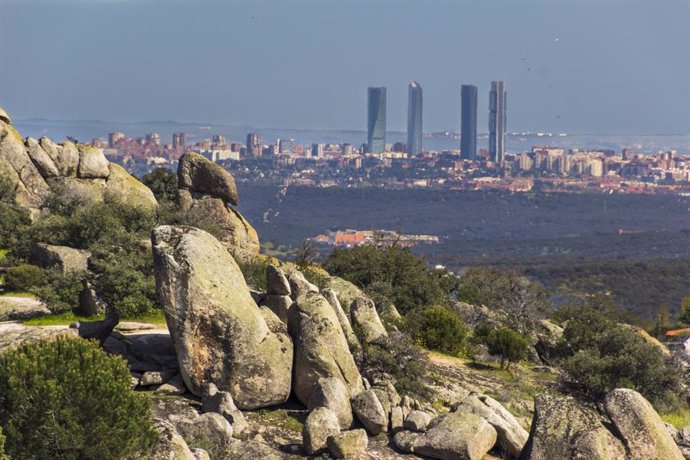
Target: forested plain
[635, 247]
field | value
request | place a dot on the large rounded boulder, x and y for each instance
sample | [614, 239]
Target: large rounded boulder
[321, 349]
[220, 334]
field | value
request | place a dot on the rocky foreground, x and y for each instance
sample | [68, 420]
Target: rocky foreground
[277, 373]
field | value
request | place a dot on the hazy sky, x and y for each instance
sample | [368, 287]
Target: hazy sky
[578, 66]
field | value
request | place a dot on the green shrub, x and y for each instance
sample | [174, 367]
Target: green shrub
[68, 399]
[254, 271]
[397, 356]
[61, 291]
[391, 272]
[523, 300]
[507, 344]
[438, 328]
[162, 182]
[603, 355]
[24, 277]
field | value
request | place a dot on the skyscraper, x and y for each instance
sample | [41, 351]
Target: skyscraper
[468, 122]
[376, 120]
[254, 144]
[414, 118]
[497, 121]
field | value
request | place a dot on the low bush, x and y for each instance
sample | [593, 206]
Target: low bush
[60, 292]
[438, 328]
[397, 356]
[507, 344]
[24, 277]
[68, 399]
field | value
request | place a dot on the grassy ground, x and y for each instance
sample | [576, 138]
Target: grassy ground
[678, 419]
[65, 319]
[27, 295]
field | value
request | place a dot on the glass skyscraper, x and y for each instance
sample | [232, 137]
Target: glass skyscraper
[376, 120]
[414, 118]
[497, 121]
[468, 123]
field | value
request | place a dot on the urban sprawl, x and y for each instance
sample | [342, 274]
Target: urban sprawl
[380, 164]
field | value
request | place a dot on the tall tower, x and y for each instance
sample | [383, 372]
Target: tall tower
[497, 121]
[468, 122]
[414, 118]
[376, 120]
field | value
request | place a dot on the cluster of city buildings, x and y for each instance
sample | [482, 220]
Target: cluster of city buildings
[351, 238]
[378, 163]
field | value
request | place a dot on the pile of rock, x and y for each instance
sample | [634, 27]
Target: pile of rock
[563, 428]
[36, 168]
[207, 193]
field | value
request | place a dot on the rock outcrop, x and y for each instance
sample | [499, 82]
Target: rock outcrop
[640, 426]
[321, 350]
[332, 393]
[206, 193]
[62, 258]
[366, 321]
[511, 436]
[35, 169]
[456, 435]
[348, 444]
[220, 335]
[319, 426]
[352, 340]
[370, 412]
[561, 428]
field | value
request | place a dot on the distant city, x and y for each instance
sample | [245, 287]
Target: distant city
[377, 163]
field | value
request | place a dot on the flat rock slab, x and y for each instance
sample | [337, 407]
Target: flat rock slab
[17, 308]
[14, 333]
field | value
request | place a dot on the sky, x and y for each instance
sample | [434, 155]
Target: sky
[579, 66]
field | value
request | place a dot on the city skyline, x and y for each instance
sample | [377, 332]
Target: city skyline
[415, 111]
[561, 78]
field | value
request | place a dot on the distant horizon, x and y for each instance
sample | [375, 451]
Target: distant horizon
[287, 128]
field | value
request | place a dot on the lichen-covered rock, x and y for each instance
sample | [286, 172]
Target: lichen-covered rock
[370, 412]
[4, 117]
[200, 175]
[321, 350]
[397, 418]
[320, 424]
[170, 446]
[46, 166]
[417, 421]
[121, 186]
[278, 304]
[19, 171]
[366, 320]
[456, 435]
[248, 449]
[346, 292]
[210, 428]
[67, 159]
[348, 444]
[640, 426]
[561, 428]
[511, 436]
[92, 163]
[235, 231]
[220, 335]
[276, 281]
[352, 340]
[332, 393]
[63, 258]
[299, 285]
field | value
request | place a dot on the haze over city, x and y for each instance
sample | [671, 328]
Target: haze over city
[568, 66]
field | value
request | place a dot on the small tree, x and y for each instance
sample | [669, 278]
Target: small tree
[66, 398]
[162, 182]
[684, 316]
[438, 328]
[510, 346]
